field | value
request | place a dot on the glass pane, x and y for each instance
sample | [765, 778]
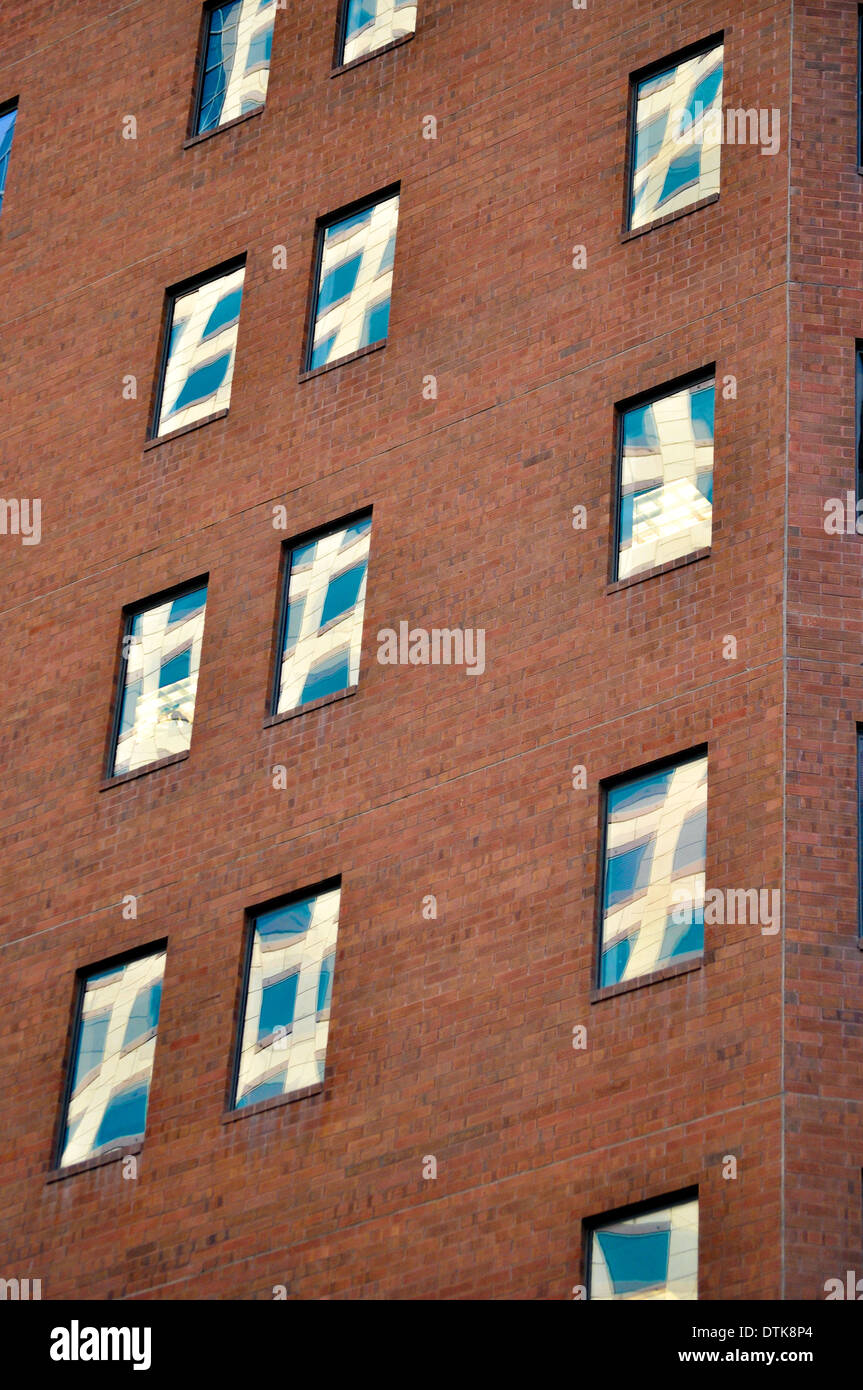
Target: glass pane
[324, 623]
[202, 344]
[160, 682]
[678, 137]
[236, 61]
[655, 859]
[653, 1256]
[666, 475]
[355, 283]
[370, 24]
[284, 1030]
[113, 1058]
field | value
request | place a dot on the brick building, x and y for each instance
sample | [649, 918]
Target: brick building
[342, 957]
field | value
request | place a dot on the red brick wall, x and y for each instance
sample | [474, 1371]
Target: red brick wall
[451, 1037]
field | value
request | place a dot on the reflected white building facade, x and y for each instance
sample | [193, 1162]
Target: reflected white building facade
[236, 61]
[287, 1005]
[677, 150]
[352, 304]
[370, 24]
[323, 624]
[202, 341]
[113, 1058]
[656, 848]
[159, 681]
[666, 479]
[650, 1256]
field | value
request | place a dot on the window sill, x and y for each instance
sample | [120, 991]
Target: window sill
[616, 585]
[375, 53]
[274, 1103]
[312, 705]
[112, 1156]
[184, 429]
[142, 771]
[634, 232]
[217, 130]
[342, 361]
[668, 972]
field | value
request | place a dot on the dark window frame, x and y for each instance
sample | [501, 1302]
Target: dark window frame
[172, 294]
[284, 579]
[690, 754]
[128, 614]
[653, 69]
[250, 917]
[591, 1224]
[702, 376]
[82, 975]
[322, 225]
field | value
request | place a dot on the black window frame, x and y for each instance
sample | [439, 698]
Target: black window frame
[129, 612]
[702, 376]
[591, 1224]
[282, 603]
[250, 917]
[172, 294]
[689, 754]
[82, 975]
[322, 225]
[654, 69]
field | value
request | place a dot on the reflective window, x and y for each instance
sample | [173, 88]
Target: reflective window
[370, 24]
[653, 880]
[199, 363]
[112, 1058]
[352, 300]
[323, 615]
[7, 130]
[286, 1008]
[236, 62]
[159, 681]
[678, 137]
[653, 1255]
[666, 479]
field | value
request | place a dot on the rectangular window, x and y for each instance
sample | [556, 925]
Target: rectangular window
[353, 283]
[111, 1062]
[235, 61]
[199, 347]
[285, 1016]
[653, 870]
[665, 477]
[158, 679]
[8, 114]
[322, 615]
[676, 137]
[645, 1253]
[367, 25]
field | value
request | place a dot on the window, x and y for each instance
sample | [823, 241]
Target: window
[322, 615]
[286, 997]
[367, 25]
[7, 130]
[199, 348]
[677, 136]
[653, 870]
[117, 1014]
[354, 282]
[646, 1253]
[665, 478]
[158, 679]
[235, 62]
